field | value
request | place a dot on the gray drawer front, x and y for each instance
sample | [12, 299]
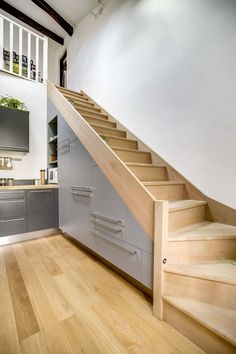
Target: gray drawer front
[12, 226]
[12, 195]
[122, 255]
[12, 207]
[147, 269]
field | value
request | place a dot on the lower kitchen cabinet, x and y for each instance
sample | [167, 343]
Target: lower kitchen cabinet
[41, 207]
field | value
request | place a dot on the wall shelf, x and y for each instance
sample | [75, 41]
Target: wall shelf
[52, 142]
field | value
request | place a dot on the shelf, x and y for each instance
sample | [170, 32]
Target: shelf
[53, 140]
[53, 120]
[52, 162]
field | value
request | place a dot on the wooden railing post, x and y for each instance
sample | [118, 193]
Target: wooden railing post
[161, 221]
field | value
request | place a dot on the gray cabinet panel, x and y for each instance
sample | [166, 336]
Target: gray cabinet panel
[147, 269]
[14, 130]
[106, 202]
[64, 131]
[12, 226]
[122, 255]
[135, 235]
[40, 209]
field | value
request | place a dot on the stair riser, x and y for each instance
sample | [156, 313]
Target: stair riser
[196, 332]
[92, 114]
[150, 173]
[130, 156]
[186, 217]
[104, 131]
[122, 143]
[105, 122]
[78, 101]
[81, 107]
[168, 192]
[74, 95]
[204, 250]
[203, 290]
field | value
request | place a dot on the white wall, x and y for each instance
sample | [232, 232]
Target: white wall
[34, 95]
[167, 70]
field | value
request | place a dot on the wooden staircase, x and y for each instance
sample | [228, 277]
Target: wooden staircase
[194, 236]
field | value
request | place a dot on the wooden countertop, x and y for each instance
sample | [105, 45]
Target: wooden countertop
[45, 186]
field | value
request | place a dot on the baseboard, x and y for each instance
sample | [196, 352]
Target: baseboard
[7, 240]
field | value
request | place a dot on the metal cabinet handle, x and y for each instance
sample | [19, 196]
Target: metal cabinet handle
[97, 216]
[81, 194]
[9, 220]
[42, 191]
[11, 201]
[64, 148]
[114, 244]
[82, 189]
[14, 147]
[107, 227]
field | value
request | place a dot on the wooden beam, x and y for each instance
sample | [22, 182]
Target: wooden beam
[51, 12]
[29, 21]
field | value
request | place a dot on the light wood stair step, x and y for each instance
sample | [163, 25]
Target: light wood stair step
[149, 172]
[222, 271]
[207, 241]
[78, 100]
[79, 106]
[64, 89]
[183, 213]
[72, 95]
[167, 190]
[218, 320]
[102, 130]
[91, 113]
[121, 142]
[105, 123]
[132, 154]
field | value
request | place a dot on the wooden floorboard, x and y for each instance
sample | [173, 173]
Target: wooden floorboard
[57, 299]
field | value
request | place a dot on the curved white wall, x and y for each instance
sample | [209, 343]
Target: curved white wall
[167, 70]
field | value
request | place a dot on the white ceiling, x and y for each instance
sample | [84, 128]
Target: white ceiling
[72, 10]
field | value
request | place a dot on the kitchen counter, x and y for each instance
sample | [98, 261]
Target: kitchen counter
[32, 186]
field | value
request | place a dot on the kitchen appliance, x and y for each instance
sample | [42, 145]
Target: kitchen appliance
[52, 175]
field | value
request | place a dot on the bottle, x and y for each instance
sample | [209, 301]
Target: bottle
[42, 177]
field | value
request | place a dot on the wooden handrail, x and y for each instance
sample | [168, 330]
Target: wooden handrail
[161, 223]
[137, 198]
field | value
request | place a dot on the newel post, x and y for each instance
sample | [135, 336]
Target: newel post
[161, 222]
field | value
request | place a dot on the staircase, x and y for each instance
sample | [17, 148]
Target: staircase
[194, 236]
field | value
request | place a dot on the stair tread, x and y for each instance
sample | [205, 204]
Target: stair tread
[161, 183]
[222, 271]
[139, 164]
[97, 119]
[89, 111]
[220, 321]
[103, 126]
[204, 231]
[119, 137]
[128, 149]
[185, 203]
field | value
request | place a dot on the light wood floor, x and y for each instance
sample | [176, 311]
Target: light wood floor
[55, 298]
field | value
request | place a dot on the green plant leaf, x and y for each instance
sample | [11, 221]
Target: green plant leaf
[12, 103]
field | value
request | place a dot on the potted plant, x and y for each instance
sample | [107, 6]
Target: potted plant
[14, 125]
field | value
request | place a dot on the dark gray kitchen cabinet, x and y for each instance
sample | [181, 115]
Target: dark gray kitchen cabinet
[12, 213]
[14, 130]
[41, 209]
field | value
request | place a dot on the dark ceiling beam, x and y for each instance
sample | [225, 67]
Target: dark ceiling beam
[51, 12]
[29, 21]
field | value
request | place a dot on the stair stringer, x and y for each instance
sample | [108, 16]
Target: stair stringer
[216, 211]
[123, 180]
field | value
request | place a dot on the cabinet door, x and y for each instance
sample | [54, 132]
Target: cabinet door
[106, 202]
[64, 131]
[40, 209]
[81, 194]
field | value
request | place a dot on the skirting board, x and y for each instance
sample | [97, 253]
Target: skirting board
[7, 240]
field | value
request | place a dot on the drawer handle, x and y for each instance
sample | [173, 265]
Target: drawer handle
[9, 220]
[81, 194]
[114, 244]
[82, 189]
[42, 191]
[97, 216]
[11, 201]
[106, 227]
[64, 146]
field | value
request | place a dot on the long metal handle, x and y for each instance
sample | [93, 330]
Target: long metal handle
[82, 189]
[81, 194]
[65, 147]
[97, 216]
[114, 244]
[9, 220]
[42, 191]
[4, 147]
[107, 227]
[12, 201]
